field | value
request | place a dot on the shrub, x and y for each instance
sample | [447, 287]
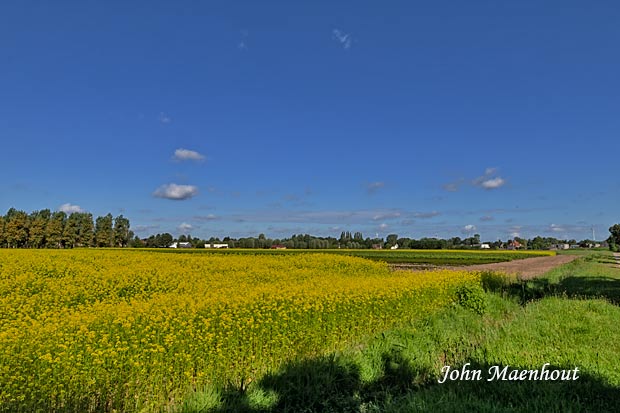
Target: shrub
[496, 281]
[472, 297]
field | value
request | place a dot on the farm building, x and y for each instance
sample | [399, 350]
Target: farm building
[216, 245]
[180, 245]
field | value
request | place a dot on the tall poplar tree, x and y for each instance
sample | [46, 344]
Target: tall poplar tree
[16, 228]
[70, 232]
[104, 231]
[2, 232]
[86, 233]
[121, 231]
[37, 228]
[54, 230]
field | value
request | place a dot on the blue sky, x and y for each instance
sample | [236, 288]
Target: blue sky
[233, 118]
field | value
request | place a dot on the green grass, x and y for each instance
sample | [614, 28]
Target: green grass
[569, 319]
[585, 251]
[430, 257]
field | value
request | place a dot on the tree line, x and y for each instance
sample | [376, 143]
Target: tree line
[357, 241]
[47, 229]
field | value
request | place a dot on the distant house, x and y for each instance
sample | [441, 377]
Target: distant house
[485, 246]
[278, 247]
[180, 245]
[394, 247]
[559, 247]
[377, 246]
[514, 245]
[216, 245]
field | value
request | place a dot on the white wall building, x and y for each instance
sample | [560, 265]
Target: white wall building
[216, 245]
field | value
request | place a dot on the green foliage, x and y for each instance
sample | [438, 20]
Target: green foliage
[496, 281]
[104, 232]
[122, 235]
[614, 238]
[46, 229]
[472, 297]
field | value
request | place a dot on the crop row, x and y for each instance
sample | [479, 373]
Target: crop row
[432, 257]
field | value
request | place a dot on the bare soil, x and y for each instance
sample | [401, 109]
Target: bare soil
[525, 269]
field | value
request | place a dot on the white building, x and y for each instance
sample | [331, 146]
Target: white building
[216, 245]
[180, 245]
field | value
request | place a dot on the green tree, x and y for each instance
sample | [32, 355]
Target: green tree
[136, 242]
[104, 231]
[71, 231]
[391, 240]
[54, 230]
[16, 228]
[614, 238]
[2, 232]
[86, 232]
[165, 240]
[121, 231]
[38, 228]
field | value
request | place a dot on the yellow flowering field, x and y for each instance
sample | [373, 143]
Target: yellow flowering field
[119, 330]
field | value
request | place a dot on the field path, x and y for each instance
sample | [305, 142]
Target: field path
[526, 268]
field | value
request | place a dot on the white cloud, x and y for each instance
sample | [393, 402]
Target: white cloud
[210, 217]
[343, 38]
[187, 155]
[556, 228]
[387, 215]
[426, 215]
[489, 180]
[486, 218]
[468, 229]
[453, 186]
[144, 228]
[185, 227]
[383, 226]
[515, 231]
[176, 192]
[163, 118]
[69, 209]
[374, 187]
[243, 45]
[493, 183]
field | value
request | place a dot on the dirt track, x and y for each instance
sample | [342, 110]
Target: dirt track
[526, 268]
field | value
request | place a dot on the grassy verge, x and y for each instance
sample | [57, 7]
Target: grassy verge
[568, 319]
